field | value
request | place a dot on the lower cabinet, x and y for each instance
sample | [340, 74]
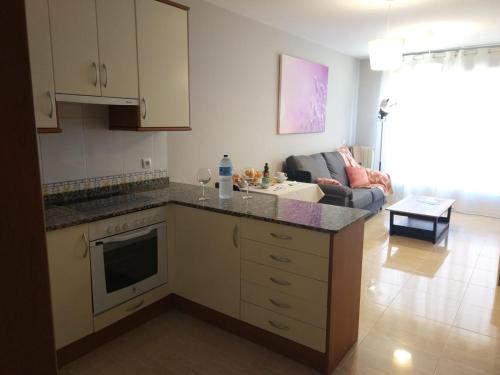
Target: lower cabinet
[282, 325]
[207, 259]
[129, 307]
[70, 285]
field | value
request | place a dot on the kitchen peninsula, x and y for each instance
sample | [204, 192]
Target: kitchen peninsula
[283, 273]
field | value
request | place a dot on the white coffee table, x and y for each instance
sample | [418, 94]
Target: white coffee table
[421, 217]
[292, 190]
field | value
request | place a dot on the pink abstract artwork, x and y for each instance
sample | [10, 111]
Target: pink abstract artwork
[302, 96]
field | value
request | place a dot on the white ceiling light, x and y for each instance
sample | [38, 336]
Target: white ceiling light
[386, 53]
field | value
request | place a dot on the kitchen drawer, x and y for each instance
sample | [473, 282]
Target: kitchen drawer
[278, 324]
[309, 241]
[128, 308]
[288, 260]
[285, 304]
[311, 290]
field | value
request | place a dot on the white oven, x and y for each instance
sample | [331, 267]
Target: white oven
[128, 256]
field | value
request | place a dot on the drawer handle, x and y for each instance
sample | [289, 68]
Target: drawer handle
[277, 325]
[280, 282]
[280, 304]
[281, 259]
[281, 236]
[136, 306]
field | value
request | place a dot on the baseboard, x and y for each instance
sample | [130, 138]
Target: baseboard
[295, 351]
[88, 343]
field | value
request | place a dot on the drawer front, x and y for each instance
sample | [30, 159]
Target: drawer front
[284, 304]
[286, 236]
[128, 308]
[311, 290]
[291, 329]
[293, 261]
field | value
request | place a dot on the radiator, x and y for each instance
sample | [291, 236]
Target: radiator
[364, 155]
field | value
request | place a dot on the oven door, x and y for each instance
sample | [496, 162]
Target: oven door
[127, 265]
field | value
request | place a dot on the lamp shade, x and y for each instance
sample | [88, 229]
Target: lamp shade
[385, 54]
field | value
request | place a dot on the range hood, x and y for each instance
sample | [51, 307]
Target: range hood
[87, 99]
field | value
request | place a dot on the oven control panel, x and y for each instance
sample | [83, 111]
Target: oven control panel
[125, 223]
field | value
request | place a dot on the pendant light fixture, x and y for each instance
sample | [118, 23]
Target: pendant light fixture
[386, 53]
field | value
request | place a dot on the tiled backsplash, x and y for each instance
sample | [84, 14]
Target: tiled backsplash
[87, 152]
[100, 182]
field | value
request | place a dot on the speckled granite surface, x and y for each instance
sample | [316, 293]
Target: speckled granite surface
[314, 216]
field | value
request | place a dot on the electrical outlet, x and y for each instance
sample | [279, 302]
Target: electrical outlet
[146, 163]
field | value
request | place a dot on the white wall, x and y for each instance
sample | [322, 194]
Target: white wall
[368, 125]
[234, 95]
[87, 148]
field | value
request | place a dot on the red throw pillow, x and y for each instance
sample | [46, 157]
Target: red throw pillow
[358, 178]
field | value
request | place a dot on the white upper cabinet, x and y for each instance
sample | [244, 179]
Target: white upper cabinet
[42, 73]
[117, 48]
[162, 42]
[95, 47]
[74, 43]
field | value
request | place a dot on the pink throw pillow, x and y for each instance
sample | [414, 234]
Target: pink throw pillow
[358, 178]
[327, 181]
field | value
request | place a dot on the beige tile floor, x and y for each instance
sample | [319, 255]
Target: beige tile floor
[425, 309]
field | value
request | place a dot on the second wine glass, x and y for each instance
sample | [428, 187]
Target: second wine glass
[203, 176]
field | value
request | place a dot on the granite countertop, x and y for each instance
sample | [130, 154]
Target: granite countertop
[313, 216]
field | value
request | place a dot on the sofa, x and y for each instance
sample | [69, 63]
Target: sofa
[308, 168]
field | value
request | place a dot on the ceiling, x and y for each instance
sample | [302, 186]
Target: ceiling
[347, 25]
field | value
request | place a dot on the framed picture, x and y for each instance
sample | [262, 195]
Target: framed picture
[303, 89]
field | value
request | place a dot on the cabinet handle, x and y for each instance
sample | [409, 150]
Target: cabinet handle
[281, 259]
[235, 236]
[51, 111]
[279, 304]
[136, 306]
[86, 242]
[96, 79]
[145, 106]
[280, 282]
[277, 325]
[281, 236]
[106, 75]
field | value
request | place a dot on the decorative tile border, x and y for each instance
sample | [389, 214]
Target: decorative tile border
[93, 183]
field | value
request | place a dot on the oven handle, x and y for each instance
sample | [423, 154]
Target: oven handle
[127, 236]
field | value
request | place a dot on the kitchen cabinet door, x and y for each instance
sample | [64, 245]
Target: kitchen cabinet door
[42, 73]
[117, 48]
[162, 42]
[74, 44]
[70, 283]
[207, 259]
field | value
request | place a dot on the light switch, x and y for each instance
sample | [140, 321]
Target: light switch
[146, 163]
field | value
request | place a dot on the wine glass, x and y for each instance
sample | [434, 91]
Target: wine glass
[203, 176]
[248, 176]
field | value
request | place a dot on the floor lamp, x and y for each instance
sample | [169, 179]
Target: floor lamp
[383, 111]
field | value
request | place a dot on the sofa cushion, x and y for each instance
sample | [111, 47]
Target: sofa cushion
[361, 198]
[358, 177]
[313, 163]
[342, 191]
[336, 167]
[377, 194]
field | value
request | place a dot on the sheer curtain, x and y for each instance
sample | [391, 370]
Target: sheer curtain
[442, 137]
